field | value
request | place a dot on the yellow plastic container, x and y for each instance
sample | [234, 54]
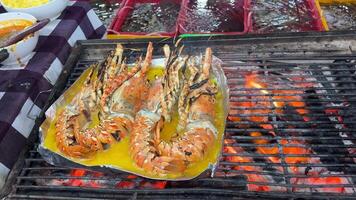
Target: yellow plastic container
[322, 16]
[330, 2]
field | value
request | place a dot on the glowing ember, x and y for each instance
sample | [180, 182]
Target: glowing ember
[332, 182]
[280, 97]
[250, 177]
[271, 100]
[268, 102]
[91, 179]
[126, 185]
[154, 185]
[80, 182]
[293, 150]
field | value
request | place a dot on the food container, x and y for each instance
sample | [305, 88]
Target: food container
[338, 15]
[129, 7]
[214, 17]
[322, 16]
[50, 10]
[337, 1]
[21, 51]
[285, 16]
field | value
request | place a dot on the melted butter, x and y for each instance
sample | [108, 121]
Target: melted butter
[153, 73]
[169, 128]
[95, 119]
[118, 156]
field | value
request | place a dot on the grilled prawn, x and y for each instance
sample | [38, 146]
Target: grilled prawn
[119, 105]
[69, 138]
[196, 96]
[116, 92]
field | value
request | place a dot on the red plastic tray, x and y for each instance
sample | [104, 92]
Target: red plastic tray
[316, 19]
[125, 12]
[242, 19]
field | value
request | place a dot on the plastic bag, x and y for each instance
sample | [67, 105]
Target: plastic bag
[117, 157]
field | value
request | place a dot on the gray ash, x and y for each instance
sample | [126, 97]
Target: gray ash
[150, 18]
[340, 17]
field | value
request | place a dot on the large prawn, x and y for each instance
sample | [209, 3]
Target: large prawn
[69, 120]
[117, 92]
[121, 104]
[197, 96]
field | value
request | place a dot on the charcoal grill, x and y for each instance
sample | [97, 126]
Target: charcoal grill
[320, 71]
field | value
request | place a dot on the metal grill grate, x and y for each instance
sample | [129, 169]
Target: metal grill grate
[290, 134]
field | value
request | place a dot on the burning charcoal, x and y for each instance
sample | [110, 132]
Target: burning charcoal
[251, 177]
[294, 114]
[318, 184]
[282, 15]
[153, 184]
[291, 115]
[126, 185]
[151, 18]
[345, 82]
[349, 117]
[214, 16]
[346, 76]
[340, 17]
[273, 170]
[307, 170]
[312, 101]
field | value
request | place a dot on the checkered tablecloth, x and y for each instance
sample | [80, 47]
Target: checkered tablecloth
[20, 86]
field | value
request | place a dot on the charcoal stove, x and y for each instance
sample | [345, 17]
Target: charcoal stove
[290, 135]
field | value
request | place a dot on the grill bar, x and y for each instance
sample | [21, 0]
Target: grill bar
[302, 149]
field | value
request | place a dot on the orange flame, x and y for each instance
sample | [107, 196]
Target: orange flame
[257, 111]
[280, 98]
